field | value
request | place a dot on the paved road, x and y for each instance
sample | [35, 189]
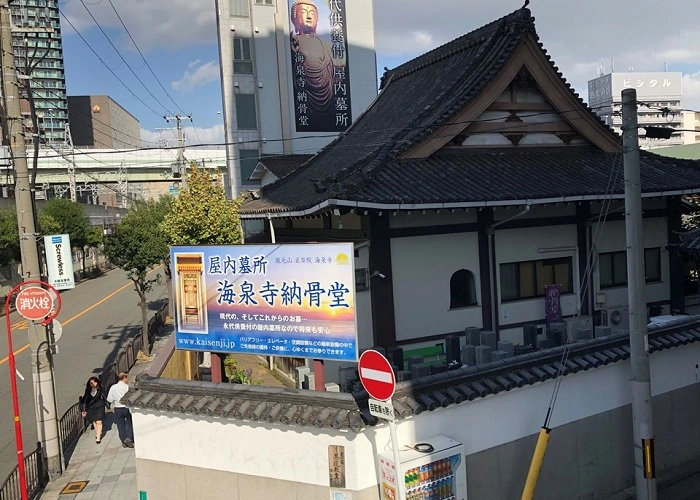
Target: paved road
[98, 318]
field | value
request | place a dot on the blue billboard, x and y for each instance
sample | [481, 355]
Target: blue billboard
[295, 300]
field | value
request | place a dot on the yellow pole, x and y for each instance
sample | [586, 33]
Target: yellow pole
[536, 464]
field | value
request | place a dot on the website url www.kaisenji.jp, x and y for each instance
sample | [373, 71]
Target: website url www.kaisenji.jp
[224, 344]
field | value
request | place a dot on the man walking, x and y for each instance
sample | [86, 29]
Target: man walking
[121, 412]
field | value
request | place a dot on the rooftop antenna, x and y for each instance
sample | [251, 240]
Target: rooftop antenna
[666, 67]
[612, 65]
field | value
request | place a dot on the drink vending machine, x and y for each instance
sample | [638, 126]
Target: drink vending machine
[433, 469]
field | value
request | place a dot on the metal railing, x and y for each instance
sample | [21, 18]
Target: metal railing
[126, 358]
[72, 424]
[37, 477]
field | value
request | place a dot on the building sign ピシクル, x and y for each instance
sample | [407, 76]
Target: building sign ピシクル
[294, 300]
[320, 69]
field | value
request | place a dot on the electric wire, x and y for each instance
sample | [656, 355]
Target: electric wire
[106, 66]
[138, 49]
[76, 117]
[585, 281]
[507, 127]
[87, 174]
[99, 26]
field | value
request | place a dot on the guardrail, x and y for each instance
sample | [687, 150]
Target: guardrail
[36, 473]
[72, 424]
[126, 358]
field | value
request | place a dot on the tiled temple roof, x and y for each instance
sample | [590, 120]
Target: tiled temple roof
[303, 408]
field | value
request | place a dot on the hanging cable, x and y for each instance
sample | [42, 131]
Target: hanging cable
[144, 58]
[106, 66]
[99, 26]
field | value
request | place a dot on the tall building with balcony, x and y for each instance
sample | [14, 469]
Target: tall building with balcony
[37, 44]
[294, 75]
[659, 93]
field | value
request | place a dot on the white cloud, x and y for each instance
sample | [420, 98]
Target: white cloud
[194, 63]
[166, 24]
[193, 135]
[202, 75]
[644, 34]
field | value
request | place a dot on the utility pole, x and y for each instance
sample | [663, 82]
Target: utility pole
[42, 372]
[182, 166]
[642, 418]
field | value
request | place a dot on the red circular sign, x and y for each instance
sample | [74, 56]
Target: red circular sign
[376, 375]
[34, 303]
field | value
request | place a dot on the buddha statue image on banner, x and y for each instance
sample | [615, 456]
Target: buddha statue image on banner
[319, 65]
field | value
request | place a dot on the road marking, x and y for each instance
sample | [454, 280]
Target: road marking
[87, 309]
[377, 375]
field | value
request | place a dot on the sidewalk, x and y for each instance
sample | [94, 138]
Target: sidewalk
[108, 469]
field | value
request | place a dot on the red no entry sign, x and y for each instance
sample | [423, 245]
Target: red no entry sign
[376, 375]
[34, 303]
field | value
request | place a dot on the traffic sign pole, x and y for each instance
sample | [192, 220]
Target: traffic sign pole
[401, 482]
[377, 377]
[51, 313]
[15, 402]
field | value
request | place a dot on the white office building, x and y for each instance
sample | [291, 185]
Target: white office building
[660, 92]
[294, 74]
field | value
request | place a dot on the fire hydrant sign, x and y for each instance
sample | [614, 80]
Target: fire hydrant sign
[34, 303]
[59, 261]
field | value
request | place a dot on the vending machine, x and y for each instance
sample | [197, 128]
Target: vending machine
[432, 469]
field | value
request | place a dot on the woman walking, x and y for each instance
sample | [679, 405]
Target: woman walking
[93, 406]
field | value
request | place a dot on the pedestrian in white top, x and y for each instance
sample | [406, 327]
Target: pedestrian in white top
[121, 412]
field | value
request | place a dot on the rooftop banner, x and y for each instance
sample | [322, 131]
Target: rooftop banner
[294, 300]
[320, 65]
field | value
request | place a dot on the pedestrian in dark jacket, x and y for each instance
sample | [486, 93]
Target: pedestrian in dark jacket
[93, 405]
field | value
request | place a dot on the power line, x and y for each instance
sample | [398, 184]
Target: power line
[76, 117]
[106, 66]
[508, 127]
[122, 57]
[144, 58]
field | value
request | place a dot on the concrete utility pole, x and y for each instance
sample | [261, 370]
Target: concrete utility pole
[180, 147]
[644, 468]
[42, 373]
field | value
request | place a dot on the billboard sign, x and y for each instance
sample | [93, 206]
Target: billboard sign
[320, 65]
[59, 261]
[294, 300]
[649, 86]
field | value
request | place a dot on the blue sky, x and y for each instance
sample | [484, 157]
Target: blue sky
[178, 39]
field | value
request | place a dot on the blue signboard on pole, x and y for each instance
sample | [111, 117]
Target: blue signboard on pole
[294, 300]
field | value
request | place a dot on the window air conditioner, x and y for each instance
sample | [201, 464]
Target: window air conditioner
[617, 318]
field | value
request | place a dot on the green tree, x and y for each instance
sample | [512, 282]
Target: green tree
[137, 245]
[9, 237]
[62, 216]
[201, 215]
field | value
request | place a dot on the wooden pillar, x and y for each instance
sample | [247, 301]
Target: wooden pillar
[485, 219]
[382, 289]
[217, 367]
[675, 258]
[583, 214]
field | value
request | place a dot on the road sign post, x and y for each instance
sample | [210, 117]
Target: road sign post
[31, 302]
[377, 377]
